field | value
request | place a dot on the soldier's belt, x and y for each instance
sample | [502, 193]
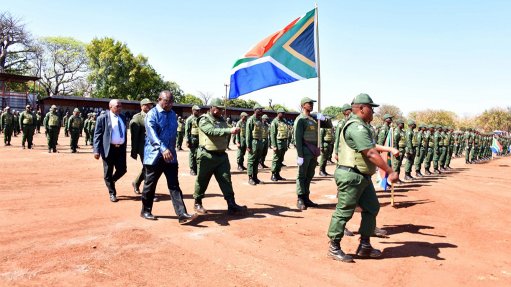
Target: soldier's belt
[218, 152]
[352, 169]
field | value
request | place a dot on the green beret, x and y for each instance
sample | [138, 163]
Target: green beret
[364, 99]
[399, 121]
[306, 100]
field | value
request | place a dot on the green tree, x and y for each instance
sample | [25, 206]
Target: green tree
[117, 73]
[494, 119]
[61, 63]
[241, 103]
[190, 99]
[332, 111]
[434, 117]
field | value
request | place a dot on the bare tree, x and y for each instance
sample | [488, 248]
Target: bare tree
[205, 97]
[15, 45]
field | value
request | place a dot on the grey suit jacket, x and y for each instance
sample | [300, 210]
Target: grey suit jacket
[102, 134]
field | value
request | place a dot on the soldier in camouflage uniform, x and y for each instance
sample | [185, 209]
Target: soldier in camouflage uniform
[192, 138]
[469, 144]
[39, 121]
[74, 126]
[240, 141]
[7, 122]
[411, 148]
[443, 149]
[384, 130]
[180, 133]
[326, 141]
[253, 138]
[91, 127]
[27, 123]
[265, 141]
[437, 146]
[17, 127]
[64, 124]
[420, 151]
[450, 147]
[279, 144]
[399, 144]
[52, 124]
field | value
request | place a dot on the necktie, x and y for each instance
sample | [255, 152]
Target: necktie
[119, 126]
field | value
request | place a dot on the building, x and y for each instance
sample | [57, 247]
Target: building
[14, 91]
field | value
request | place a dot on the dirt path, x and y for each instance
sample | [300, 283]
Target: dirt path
[58, 228]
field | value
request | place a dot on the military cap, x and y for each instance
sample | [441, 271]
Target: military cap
[217, 102]
[422, 126]
[387, 116]
[399, 121]
[430, 126]
[257, 106]
[281, 110]
[345, 107]
[265, 116]
[364, 99]
[53, 107]
[195, 108]
[76, 110]
[243, 114]
[27, 106]
[307, 100]
[145, 101]
[411, 122]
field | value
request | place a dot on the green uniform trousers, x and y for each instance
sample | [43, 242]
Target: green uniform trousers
[443, 156]
[305, 175]
[428, 158]
[28, 135]
[141, 174]
[410, 159]
[192, 156]
[436, 157]
[254, 157]
[325, 155]
[396, 164]
[419, 158]
[468, 150]
[7, 134]
[209, 164]
[179, 141]
[240, 153]
[278, 156]
[448, 155]
[473, 153]
[264, 150]
[52, 134]
[353, 189]
[75, 136]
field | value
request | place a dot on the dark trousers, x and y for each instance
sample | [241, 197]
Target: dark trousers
[116, 159]
[153, 173]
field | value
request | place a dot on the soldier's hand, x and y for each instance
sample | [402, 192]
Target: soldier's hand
[395, 152]
[167, 156]
[96, 155]
[393, 177]
[235, 130]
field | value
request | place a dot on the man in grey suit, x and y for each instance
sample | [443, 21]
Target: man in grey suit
[110, 144]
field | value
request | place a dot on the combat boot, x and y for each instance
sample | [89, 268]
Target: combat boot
[251, 181]
[322, 172]
[193, 172]
[427, 172]
[418, 173]
[308, 202]
[280, 177]
[300, 204]
[335, 252]
[408, 176]
[274, 176]
[366, 250]
[240, 167]
[233, 208]
[198, 207]
[257, 181]
[436, 171]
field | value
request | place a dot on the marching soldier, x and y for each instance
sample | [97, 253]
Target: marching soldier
[399, 144]
[279, 143]
[306, 142]
[74, 126]
[27, 123]
[138, 134]
[51, 123]
[212, 158]
[7, 122]
[240, 141]
[410, 149]
[180, 133]
[469, 142]
[265, 141]
[326, 139]
[192, 138]
[253, 138]
[346, 111]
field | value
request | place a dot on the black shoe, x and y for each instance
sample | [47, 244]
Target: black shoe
[55, 150]
[335, 252]
[274, 177]
[260, 166]
[187, 218]
[264, 166]
[283, 164]
[49, 150]
[199, 208]
[113, 198]
[427, 172]
[323, 173]
[136, 190]
[300, 204]
[347, 232]
[244, 168]
[366, 250]
[436, 171]
[408, 177]
[309, 203]
[257, 181]
[147, 215]
[192, 172]
[251, 181]
[280, 177]
[418, 173]
[233, 208]
[240, 168]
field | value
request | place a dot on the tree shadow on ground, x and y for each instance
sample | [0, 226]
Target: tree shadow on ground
[415, 249]
[222, 218]
[409, 228]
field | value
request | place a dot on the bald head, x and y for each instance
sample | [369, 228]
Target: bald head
[115, 106]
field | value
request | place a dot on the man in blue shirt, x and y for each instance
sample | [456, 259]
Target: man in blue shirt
[160, 157]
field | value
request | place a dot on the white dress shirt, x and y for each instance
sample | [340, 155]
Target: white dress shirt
[115, 134]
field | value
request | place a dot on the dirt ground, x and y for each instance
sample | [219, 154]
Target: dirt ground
[58, 228]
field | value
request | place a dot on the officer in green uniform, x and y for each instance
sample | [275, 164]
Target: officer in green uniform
[358, 159]
[212, 158]
[443, 149]
[92, 126]
[437, 146]
[192, 138]
[428, 142]
[27, 122]
[265, 141]
[468, 138]
[64, 124]
[411, 148]
[326, 140]
[74, 126]
[7, 122]
[240, 141]
[137, 131]
[399, 144]
[39, 121]
[16, 115]
[279, 144]
[253, 138]
[180, 133]
[384, 130]
[51, 124]
[475, 150]
[421, 150]
[306, 141]
[450, 147]
[346, 111]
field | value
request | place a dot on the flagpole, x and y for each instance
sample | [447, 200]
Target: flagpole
[318, 71]
[225, 100]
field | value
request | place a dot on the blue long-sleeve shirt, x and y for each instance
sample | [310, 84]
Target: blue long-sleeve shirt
[161, 132]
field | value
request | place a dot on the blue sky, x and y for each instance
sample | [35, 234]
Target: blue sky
[453, 55]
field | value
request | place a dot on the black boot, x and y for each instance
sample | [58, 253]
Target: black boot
[251, 181]
[280, 177]
[193, 172]
[418, 173]
[257, 181]
[408, 176]
[274, 176]
[335, 252]
[427, 172]
[300, 204]
[322, 172]
[436, 171]
[308, 202]
[198, 207]
[366, 250]
[233, 208]
[240, 167]
[179, 207]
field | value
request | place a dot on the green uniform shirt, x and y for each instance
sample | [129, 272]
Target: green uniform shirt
[382, 135]
[137, 131]
[358, 135]
[303, 124]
